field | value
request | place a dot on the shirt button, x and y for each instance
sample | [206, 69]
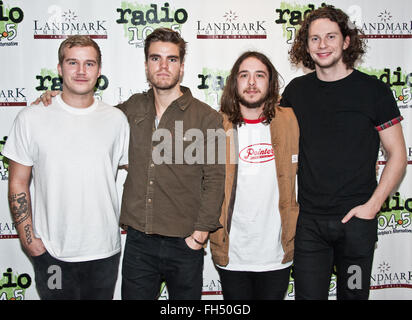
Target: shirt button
[149, 200]
[151, 182]
[152, 165]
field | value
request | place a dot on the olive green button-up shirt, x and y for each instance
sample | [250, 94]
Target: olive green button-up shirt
[173, 187]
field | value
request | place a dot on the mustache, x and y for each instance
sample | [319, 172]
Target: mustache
[251, 89]
[248, 104]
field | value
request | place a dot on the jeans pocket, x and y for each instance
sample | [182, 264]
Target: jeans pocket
[44, 254]
[363, 219]
[41, 261]
[189, 248]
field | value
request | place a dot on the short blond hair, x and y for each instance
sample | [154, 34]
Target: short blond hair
[79, 41]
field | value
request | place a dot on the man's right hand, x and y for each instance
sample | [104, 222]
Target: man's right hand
[36, 247]
[46, 97]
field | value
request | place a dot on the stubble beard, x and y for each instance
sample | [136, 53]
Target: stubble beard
[163, 86]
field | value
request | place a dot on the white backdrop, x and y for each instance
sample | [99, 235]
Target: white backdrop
[217, 32]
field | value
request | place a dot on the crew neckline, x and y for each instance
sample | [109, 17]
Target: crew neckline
[254, 121]
[78, 111]
[334, 82]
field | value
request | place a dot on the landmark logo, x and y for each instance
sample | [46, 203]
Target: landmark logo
[13, 97]
[231, 26]
[387, 277]
[386, 26]
[65, 22]
[8, 230]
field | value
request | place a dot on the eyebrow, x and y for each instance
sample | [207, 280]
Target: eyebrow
[155, 55]
[316, 35]
[258, 71]
[74, 59]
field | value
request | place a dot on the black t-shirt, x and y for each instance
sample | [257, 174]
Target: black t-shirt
[339, 140]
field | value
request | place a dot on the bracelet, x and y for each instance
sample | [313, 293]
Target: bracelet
[198, 242]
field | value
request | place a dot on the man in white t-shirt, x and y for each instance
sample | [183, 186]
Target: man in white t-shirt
[253, 251]
[73, 149]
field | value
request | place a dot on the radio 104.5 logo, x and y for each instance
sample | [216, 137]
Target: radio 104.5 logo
[13, 286]
[139, 20]
[395, 215]
[9, 21]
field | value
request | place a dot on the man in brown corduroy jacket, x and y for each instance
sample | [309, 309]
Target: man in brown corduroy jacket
[253, 251]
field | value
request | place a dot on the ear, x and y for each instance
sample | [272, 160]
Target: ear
[181, 72]
[346, 42]
[59, 69]
[182, 68]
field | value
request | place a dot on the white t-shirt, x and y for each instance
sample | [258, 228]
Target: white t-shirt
[255, 234]
[75, 154]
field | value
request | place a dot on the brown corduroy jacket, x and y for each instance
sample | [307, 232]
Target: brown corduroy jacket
[284, 132]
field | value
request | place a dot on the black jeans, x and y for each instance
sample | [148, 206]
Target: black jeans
[322, 244]
[88, 280]
[244, 285]
[150, 259]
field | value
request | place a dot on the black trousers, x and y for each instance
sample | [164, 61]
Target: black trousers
[151, 259]
[244, 285]
[88, 280]
[322, 244]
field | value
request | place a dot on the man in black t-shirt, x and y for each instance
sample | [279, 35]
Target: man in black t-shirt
[343, 116]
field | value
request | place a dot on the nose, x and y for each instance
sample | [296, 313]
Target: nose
[82, 68]
[252, 81]
[163, 63]
[322, 43]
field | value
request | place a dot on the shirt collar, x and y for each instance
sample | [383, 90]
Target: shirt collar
[183, 102]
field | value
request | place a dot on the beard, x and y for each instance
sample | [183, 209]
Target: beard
[252, 105]
[163, 85]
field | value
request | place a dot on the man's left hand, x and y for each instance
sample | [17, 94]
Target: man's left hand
[363, 211]
[197, 240]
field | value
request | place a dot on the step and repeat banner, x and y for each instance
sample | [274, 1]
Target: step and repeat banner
[217, 32]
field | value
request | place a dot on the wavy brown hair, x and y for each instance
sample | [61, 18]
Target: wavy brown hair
[355, 50]
[165, 35]
[229, 103]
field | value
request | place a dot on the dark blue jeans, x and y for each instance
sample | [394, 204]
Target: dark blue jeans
[88, 280]
[150, 259]
[322, 244]
[242, 285]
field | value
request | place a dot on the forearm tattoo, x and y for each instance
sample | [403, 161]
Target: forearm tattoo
[27, 233]
[19, 207]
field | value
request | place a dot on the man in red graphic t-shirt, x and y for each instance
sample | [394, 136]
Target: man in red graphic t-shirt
[253, 251]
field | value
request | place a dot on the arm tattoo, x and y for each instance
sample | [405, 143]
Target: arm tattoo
[19, 207]
[27, 233]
